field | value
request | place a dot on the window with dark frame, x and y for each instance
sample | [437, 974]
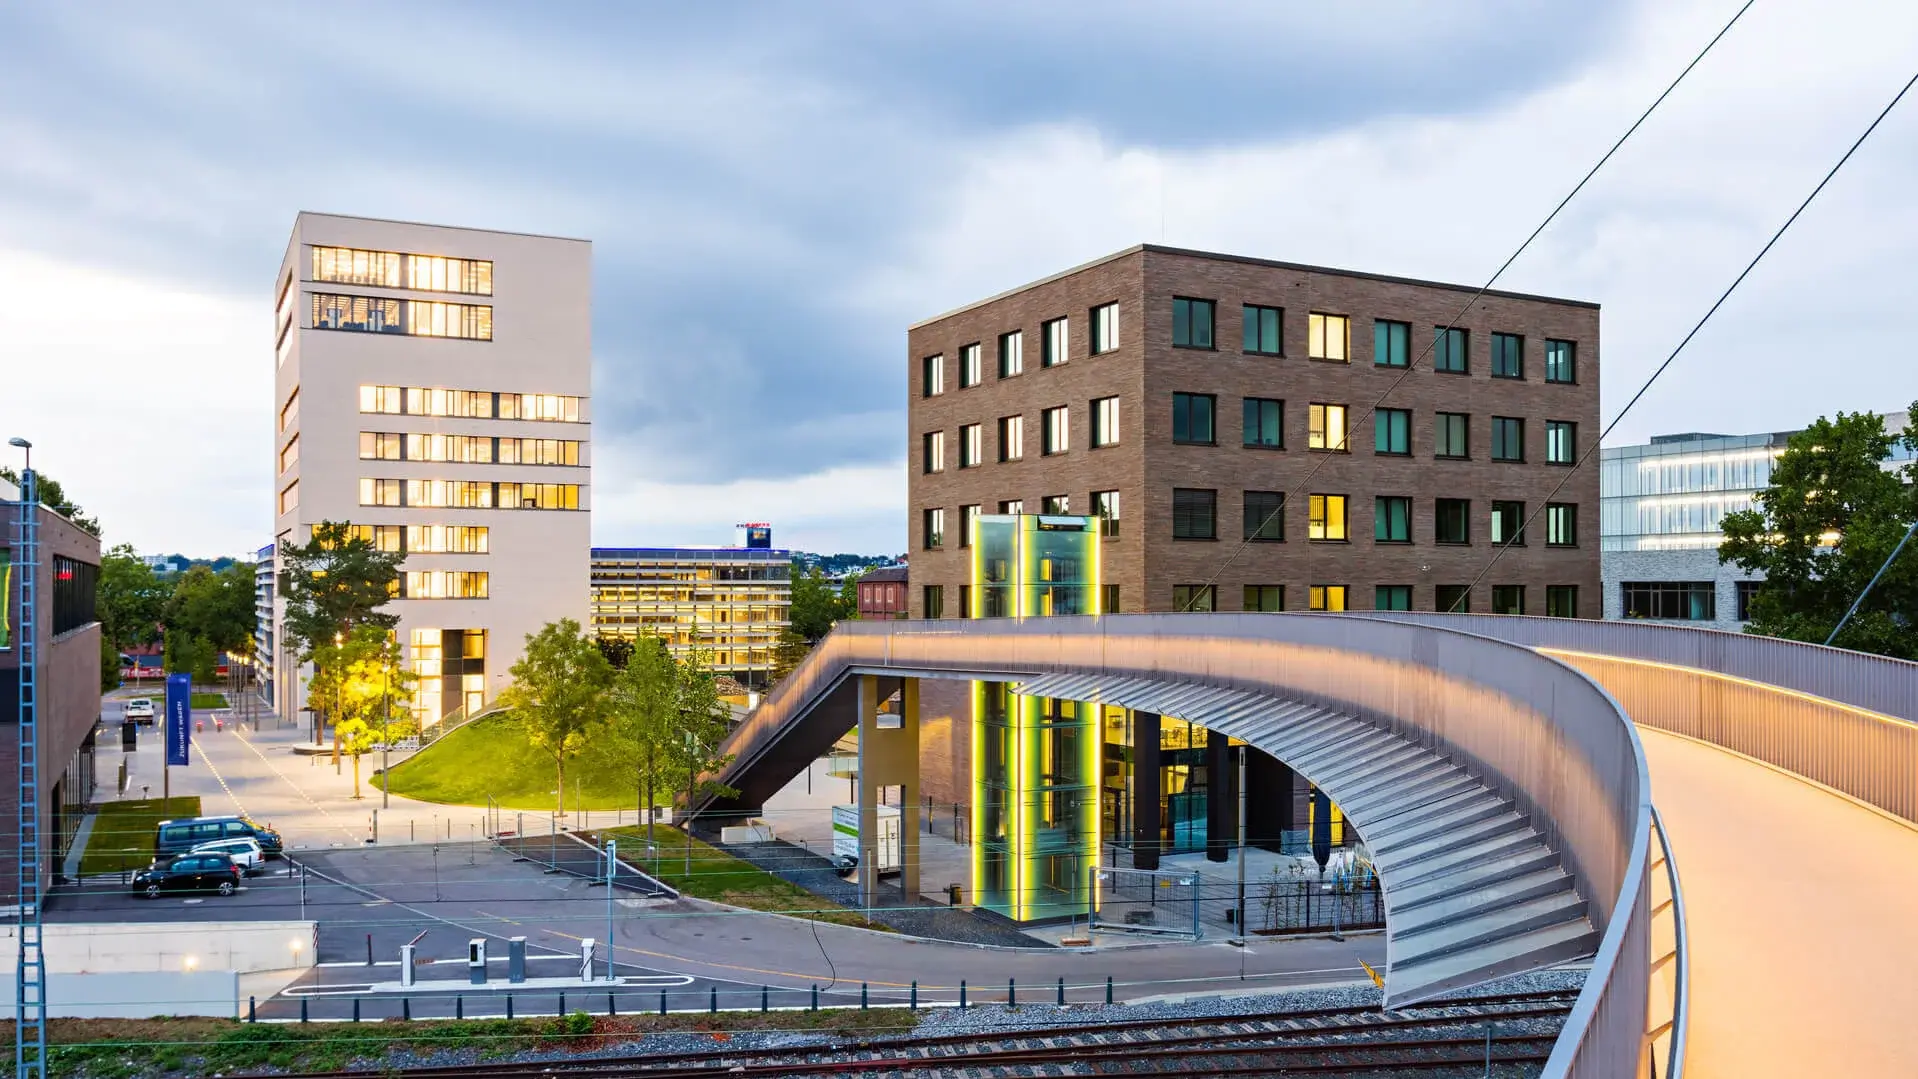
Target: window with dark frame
[1561, 442]
[934, 600]
[1052, 342]
[1105, 421]
[1689, 601]
[934, 459]
[1054, 505]
[1194, 513]
[1263, 423]
[1508, 599]
[1326, 429]
[971, 372]
[1264, 516]
[1392, 519]
[1452, 435]
[1392, 432]
[972, 445]
[1264, 597]
[1105, 328]
[1325, 518]
[933, 532]
[1508, 438]
[965, 602]
[932, 376]
[1195, 597]
[1012, 438]
[1191, 323]
[1561, 524]
[1012, 354]
[1559, 357]
[1192, 419]
[1012, 506]
[1328, 337]
[1265, 330]
[1056, 432]
[1508, 523]
[1391, 343]
[1105, 506]
[968, 524]
[1746, 592]
[1452, 598]
[1451, 520]
[1325, 597]
[1392, 597]
[1449, 350]
[1508, 355]
[1561, 600]
[1109, 599]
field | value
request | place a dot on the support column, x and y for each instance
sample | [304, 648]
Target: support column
[1269, 805]
[1221, 799]
[888, 756]
[1147, 829]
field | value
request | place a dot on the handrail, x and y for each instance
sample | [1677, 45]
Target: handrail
[1681, 989]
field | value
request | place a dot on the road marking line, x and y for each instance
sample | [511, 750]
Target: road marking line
[211, 767]
[325, 812]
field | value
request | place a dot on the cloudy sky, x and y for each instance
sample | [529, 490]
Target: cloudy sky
[776, 190]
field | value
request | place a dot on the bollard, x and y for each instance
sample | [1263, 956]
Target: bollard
[865, 999]
[610, 1009]
[356, 1009]
[509, 1005]
[302, 1009]
[1062, 990]
[1012, 993]
[962, 994]
[369, 949]
[765, 999]
[662, 1002]
[252, 1016]
[561, 1013]
[406, 1007]
[459, 1006]
[815, 996]
[912, 1002]
[1108, 989]
[712, 1002]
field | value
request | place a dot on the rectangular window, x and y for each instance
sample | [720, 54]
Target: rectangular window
[525, 451]
[350, 266]
[968, 525]
[1265, 330]
[1558, 361]
[419, 318]
[1325, 427]
[1508, 599]
[1055, 505]
[935, 452]
[934, 531]
[1392, 431]
[387, 399]
[446, 539]
[463, 449]
[1012, 506]
[290, 497]
[1561, 600]
[1746, 590]
[1109, 599]
[1451, 520]
[383, 269]
[1452, 598]
[1263, 424]
[1265, 516]
[444, 584]
[1392, 597]
[1326, 518]
[1052, 348]
[1691, 601]
[461, 494]
[1508, 355]
[1056, 435]
[1264, 597]
[935, 600]
[1012, 354]
[1561, 442]
[1195, 597]
[1105, 421]
[965, 602]
[1392, 519]
[1508, 439]
[972, 445]
[381, 446]
[932, 376]
[1192, 418]
[1191, 323]
[1326, 597]
[1328, 337]
[1391, 343]
[1508, 523]
[1012, 438]
[1448, 350]
[1105, 328]
[542, 496]
[290, 412]
[380, 492]
[1561, 524]
[290, 453]
[970, 371]
[1105, 506]
[390, 538]
[553, 407]
[1194, 514]
[1451, 435]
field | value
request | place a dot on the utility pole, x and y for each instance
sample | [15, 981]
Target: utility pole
[1241, 914]
[612, 870]
[386, 723]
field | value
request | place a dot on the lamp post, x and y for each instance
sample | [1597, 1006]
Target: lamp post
[339, 698]
[386, 721]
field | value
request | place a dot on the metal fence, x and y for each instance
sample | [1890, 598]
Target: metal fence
[1147, 901]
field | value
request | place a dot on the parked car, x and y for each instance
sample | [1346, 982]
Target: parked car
[179, 836]
[138, 710]
[200, 872]
[245, 852]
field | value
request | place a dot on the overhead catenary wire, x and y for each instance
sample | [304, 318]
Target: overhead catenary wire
[1372, 410]
[1644, 387]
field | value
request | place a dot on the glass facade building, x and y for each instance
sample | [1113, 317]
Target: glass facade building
[1671, 493]
[730, 602]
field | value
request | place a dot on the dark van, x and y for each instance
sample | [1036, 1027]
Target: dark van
[179, 836]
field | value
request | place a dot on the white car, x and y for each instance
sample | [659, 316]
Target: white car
[139, 710]
[245, 852]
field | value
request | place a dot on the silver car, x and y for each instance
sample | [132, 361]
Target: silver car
[245, 852]
[139, 710]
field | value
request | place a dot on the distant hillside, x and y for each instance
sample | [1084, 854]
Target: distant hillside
[839, 565]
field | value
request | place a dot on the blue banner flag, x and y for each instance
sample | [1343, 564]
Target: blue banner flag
[179, 717]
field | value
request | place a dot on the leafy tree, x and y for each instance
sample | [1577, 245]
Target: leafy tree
[54, 497]
[704, 722]
[129, 598]
[361, 679]
[355, 738]
[816, 605]
[643, 722]
[191, 654]
[617, 650]
[333, 583]
[558, 695]
[789, 651]
[208, 613]
[1830, 518]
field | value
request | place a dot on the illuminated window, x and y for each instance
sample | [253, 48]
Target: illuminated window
[1052, 350]
[382, 537]
[1012, 354]
[389, 399]
[419, 318]
[1449, 350]
[1391, 343]
[382, 492]
[935, 452]
[1328, 337]
[1325, 518]
[1326, 597]
[538, 451]
[446, 539]
[1105, 328]
[541, 496]
[1105, 421]
[969, 368]
[455, 494]
[972, 445]
[552, 407]
[381, 446]
[350, 266]
[290, 412]
[290, 453]
[932, 381]
[290, 497]
[1191, 323]
[1325, 427]
[389, 269]
[444, 584]
[434, 273]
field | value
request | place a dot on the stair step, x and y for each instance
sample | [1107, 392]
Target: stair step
[1380, 806]
[1463, 836]
[1443, 822]
[1412, 982]
[1484, 927]
[1401, 779]
[1400, 870]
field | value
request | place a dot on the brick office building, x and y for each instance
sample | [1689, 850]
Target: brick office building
[1190, 398]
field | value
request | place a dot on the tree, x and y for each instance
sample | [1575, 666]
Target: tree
[358, 679]
[1830, 518]
[816, 605]
[355, 738]
[643, 722]
[558, 695]
[54, 497]
[617, 650]
[704, 722]
[333, 583]
[789, 651]
[209, 613]
[129, 599]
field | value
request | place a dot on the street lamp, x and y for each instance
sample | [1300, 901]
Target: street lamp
[25, 445]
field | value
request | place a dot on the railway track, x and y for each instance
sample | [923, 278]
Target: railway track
[1436, 1038]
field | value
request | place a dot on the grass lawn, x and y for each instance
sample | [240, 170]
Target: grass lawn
[207, 700]
[491, 756]
[122, 835]
[131, 1048]
[720, 877]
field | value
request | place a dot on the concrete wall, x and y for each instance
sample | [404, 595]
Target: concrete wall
[137, 995]
[97, 947]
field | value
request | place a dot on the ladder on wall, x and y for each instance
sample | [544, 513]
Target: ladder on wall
[30, 971]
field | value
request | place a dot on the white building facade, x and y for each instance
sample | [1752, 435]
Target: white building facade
[433, 388]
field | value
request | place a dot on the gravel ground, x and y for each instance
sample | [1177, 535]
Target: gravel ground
[815, 873]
